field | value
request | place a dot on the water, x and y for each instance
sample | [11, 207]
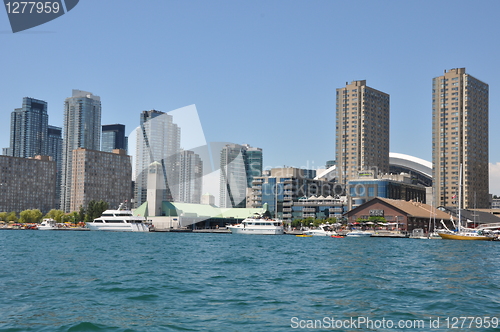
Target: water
[98, 281]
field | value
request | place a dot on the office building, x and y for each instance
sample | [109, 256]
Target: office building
[28, 129]
[362, 130]
[282, 189]
[82, 129]
[239, 165]
[369, 185]
[158, 139]
[27, 183]
[99, 175]
[113, 137]
[460, 137]
[190, 177]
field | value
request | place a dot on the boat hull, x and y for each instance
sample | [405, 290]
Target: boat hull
[358, 234]
[465, 237]
[118, 227]
[256, 231]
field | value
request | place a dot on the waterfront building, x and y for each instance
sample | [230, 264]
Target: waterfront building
[460, 137]
[282, 188]
[28, 129]
[158, 139]
[190, 177]
[400, 215]
[208, 199]
[82, 129]
[239, 165]
[113, 137]
[368, 185]
[27, 183]
[362, 130]
[99, 175]
[318, 207]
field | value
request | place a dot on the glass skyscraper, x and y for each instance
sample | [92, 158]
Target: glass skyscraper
[239, 165]
[82, 129]
[113, 137]
[158, 140]
[28, 129]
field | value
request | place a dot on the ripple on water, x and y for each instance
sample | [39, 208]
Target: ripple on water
[93, 281]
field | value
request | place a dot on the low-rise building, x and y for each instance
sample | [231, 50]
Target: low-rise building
[369, 185]
[404, 215]
[281, 189]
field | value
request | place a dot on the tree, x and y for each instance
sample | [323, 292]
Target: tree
[55, 214]
[95, 210]
[3, 216]
[12, 216]
[30, 216]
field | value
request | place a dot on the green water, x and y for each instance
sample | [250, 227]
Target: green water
[99, 281]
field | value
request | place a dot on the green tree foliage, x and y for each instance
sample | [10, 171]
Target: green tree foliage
[55, 214]
[81, 214]
[3, 216]
[12, 216]
[30, 216]
[95, 210]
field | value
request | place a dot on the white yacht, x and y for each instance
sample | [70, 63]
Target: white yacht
[258, 225]
[322, 230]
[47, 225]
[119, 220]
[359, 233]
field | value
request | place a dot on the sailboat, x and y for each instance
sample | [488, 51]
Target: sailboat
[463, 233]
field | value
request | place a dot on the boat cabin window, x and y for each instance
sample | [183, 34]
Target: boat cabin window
[123, 214]
[97, 220]
[107, 215]
[115, 221]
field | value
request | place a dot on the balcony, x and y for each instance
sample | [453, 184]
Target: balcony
[309, 209]
[289, 203]
[287, 215]
[287, 210]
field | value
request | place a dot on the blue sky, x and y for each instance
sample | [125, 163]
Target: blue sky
[259, 72]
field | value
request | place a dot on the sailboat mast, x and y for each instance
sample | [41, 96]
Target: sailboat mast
[460, 199]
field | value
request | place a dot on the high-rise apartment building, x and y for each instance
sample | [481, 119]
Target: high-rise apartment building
[239, 164]
[54, 150]
[27, 183]
[190, 177]
[99, 176]
[113, 137]
[28, 129]
[82, 129]
[460, 137]
[362, 130]
[158, 139]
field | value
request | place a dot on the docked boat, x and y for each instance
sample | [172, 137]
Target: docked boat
[322, 230]
[359, 233]
[47, 225]
[258, 225]
[463, 233]
[119, 221]
[468, 234]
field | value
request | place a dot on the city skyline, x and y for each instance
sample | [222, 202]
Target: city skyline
[268, 65]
